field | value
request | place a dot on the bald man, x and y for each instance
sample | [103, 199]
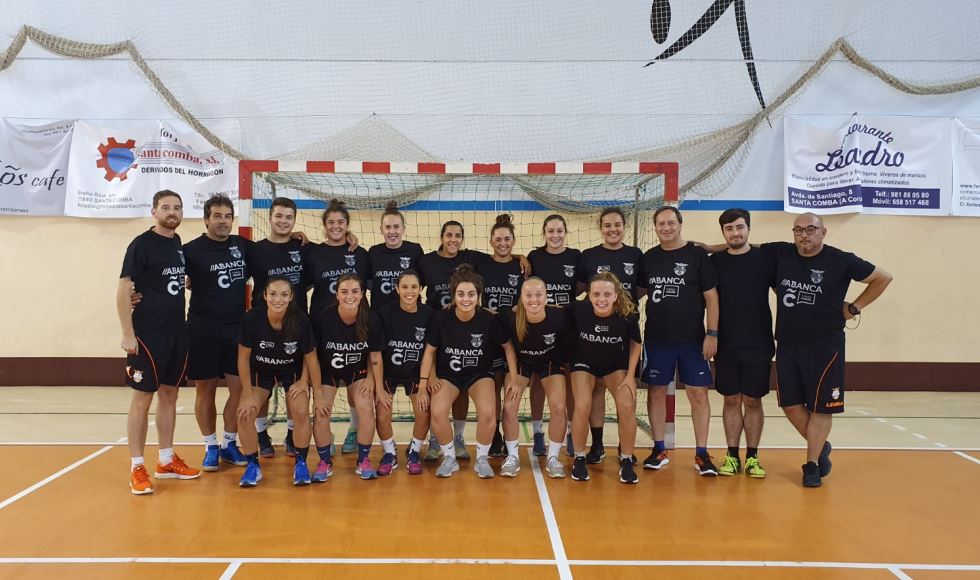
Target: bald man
[812, 280]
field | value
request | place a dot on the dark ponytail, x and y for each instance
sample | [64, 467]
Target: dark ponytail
[335, 206]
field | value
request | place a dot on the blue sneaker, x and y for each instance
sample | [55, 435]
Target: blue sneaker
[252, 476]
[210, 462]
[323, 472]
[365, 469]
[540, 449]
[389, 462]
[350, 443]
[301, 473]
[232, 455]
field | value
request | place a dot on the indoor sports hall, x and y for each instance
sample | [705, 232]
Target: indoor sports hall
[854, 125]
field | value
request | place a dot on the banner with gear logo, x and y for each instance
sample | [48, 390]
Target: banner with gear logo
[113, 173]
[33, 166]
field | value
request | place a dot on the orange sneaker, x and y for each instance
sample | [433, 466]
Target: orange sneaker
[139, 481]
[176, 469]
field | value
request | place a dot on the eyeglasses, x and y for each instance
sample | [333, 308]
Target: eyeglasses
[809, 230]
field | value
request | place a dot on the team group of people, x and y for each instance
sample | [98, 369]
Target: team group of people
[491, 326]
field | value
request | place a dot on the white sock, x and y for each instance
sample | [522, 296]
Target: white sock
[458, 427]
[290, 424]
[388, 445]
[512, 447]
[416, 445]
[261, 424]
[229, 437]
[482, 450]
[211, 439]
[554, 447]
[447, 450]
[166, 455]
[137, 461]
[353, 420]
[538, 427]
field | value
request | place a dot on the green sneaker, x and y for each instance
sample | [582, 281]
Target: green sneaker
[350, 443]
[732, 466]
[753, 468]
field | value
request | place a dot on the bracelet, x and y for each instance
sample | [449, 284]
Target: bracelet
[423, 379]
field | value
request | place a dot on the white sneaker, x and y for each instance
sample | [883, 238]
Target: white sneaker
[448, 468]
[511, 466]
[555, 468]
[482, 468]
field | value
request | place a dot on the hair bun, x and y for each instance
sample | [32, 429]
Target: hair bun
[391, 206]
[465, 269]
[504, 218]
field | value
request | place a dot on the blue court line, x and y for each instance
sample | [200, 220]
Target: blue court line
[527, 205]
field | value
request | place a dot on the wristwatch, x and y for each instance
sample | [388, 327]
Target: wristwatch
[711, 332]
[854, 310]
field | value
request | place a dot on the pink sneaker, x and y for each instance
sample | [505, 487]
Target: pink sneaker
[323, 472]
[414, 463]
[365, 469]
[388, 464]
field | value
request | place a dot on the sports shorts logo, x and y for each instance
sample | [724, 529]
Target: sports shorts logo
[289, 347]
[513, 279]
[266, 344]
[628, 268]
[420, 333]
[549, 339]
[235, 252]
[349, 259]
[680, 268]
[476, 340]
[405, 262]
[816, 276]
[601, 269]
[181, 254]
[295, 257]
[569, 270]
[135, 374]
[835, 394]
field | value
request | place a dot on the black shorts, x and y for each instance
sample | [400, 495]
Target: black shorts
[392, 384]
[812, 376]
[743, 371]
[335, 378]
[499, 365]
[464, 383]
[159, 360]
[597, 371]
[543, 370]
[212, 351]
[269, 382]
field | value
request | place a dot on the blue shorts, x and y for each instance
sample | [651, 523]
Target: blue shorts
[664, 359]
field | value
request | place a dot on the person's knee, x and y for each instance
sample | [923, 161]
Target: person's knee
[558, 410]
[657, 394]
[697, 395]
[752, 403]
[734, 401]
[167, 396]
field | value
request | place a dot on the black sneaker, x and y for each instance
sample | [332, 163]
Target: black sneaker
[705, 467]
[656, 460]
[288, 444]
[626, 472]
[265, 445]
[580, 471]
[497, 447]
[596, 454]
[824, 460]
[811, 475]
[619, 453]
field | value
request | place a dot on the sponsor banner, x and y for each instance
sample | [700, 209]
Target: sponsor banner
[966, 167]
[870, 164]
[114, 173]
[33, 168]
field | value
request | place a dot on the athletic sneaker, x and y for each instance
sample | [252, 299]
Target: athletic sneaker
[811, 475]
[732, 466]
[497, 446]
[824, 460]
[753, 468]
[176, 469]
[705, 467]
[389, 463]
[414, 463]
[596, 454]
[540, 447]
[619, 453]
[365, 469]
[288, 444]
[433, 452]
[448, 467]
[323, 472]
[656, 460]
[210, 462]
[301, 473]
[580, 469]
[569, 447]
[626, 472]
[231, 454]
[265, 445]
[350, 442]
[511, 466]
[555, 469]
[252, 476]
[460, 446]
[482, 468]
[139, 481]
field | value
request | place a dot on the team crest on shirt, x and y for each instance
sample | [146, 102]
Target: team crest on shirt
[549, 339]
[476, 340]
[405, 262]
[420, 333]
[181, 254]
[816, 275]
[513, 279]
[295, 257]
[628, 268]
[235, 252]
[601, 269]
[349, 259]
[569, 270]
[835, 394]
[680, 268]
[289, 347]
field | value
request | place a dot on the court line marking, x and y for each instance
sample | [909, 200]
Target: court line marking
[899, 574]
[919, 436]
[899, 427]
[564, 570]
[230, 571]
[53, 477]
[969, 457]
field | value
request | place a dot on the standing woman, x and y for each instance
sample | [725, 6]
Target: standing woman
[458, 360]
[391, 258]
[540, 334]
[607, 349]
[349, 344]
[405, 324]
[274, 342]
[325, 264]
[557, 265]
[614, 256]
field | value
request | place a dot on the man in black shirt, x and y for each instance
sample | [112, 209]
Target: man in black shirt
[812, 280]
[153, 336]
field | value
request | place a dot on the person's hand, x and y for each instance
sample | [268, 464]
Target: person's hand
[352, 241]
[129, 344]
[847, 313]
[629, 383]
[303, 240]
[384, 398]
[247, 407]
[525, 265]
[512, 390]
[710, 347]
[296, 390]
[435, 385]
[320, 408]
[365, 388]
[134, 296]
[423, 399]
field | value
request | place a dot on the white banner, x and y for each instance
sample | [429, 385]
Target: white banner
[33, 168]
[115, 172]
[966, 167]
[870, 164]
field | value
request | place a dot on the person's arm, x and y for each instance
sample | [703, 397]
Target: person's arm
[427, 370]
[513, 387]
[525, 265]
[247, 403]
[711, 248]
[302, 385]
[320, 407]
[877, 282]
[376, 370]
[710, 345]
[124, 308]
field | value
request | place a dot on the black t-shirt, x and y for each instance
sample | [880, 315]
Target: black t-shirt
[676, 281]
[603, 342]
[155, 264]
[501, 283]
[559, 272]
[810, 292]
[404, 334]
[386, 266]
[464, 349]
[326, 264]
[436, 272]
[745, 320]
[273, 353]
[218, 273]
[545, 342]
[267, 259]
[338, 348]
[624, 263]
